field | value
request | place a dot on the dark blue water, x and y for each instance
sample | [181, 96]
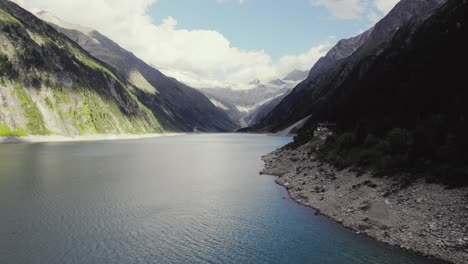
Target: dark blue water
[190, 199]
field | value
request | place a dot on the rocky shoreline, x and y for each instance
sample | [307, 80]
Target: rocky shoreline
[425, 218]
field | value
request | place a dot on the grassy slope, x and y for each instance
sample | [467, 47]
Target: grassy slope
[49, 85]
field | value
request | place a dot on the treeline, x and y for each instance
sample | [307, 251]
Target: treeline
[435, 150]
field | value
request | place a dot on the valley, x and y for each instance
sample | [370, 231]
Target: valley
[366, 135]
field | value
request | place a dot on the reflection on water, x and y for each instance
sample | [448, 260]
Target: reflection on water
[190, 199]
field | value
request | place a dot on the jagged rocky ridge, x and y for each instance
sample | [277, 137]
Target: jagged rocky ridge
[178, 106]
[343, 49]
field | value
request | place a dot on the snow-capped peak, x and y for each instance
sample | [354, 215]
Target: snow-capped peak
[255, 82]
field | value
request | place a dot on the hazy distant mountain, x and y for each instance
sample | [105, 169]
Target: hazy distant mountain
[180, 107]
[262, 111]
[277, 82]
[239, 104]
[296, 76]
[248, 106]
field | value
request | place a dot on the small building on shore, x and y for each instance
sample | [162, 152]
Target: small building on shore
[325, 129]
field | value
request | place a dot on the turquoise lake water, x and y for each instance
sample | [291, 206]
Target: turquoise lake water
[186, 199]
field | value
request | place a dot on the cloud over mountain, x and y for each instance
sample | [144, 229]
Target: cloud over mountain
[199, 57]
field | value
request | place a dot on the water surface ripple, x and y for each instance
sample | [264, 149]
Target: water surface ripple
[188, 199]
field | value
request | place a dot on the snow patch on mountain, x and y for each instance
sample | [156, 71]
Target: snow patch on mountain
[219, 105]
[241, 104]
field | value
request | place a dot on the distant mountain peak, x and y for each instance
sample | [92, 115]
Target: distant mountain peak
[255, 82]
[277, 82]
[296, 76]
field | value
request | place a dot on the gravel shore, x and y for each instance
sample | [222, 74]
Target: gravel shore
[425, 218]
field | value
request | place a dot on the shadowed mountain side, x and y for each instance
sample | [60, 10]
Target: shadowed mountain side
[335, 67]
[403, 109]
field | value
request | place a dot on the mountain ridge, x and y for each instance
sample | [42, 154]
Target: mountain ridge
[324, 77]
[180, 107]
[43, 90]
[242, 105]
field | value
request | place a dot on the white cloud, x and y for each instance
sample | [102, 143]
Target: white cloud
[201, 58]
[342, 9]
[373, 17]
[384, 6]
[367, 10]
[227, 1]
[19, 2]
[302, 61]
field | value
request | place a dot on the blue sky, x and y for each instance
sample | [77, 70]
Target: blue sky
[279, 27]
[221, 43]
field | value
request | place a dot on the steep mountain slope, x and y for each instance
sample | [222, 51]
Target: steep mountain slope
[332, 71]
[242, 104]
[50, 85]
[411, 104]
[343, 49]
[262, 111]
[179, 106]
[404, 109]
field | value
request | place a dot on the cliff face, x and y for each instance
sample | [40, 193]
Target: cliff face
[49, 85]
[178, 106]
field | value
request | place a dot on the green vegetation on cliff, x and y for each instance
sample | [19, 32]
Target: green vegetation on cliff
[50, 85]
[6, 18]
[5, 131]
[35, 119]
